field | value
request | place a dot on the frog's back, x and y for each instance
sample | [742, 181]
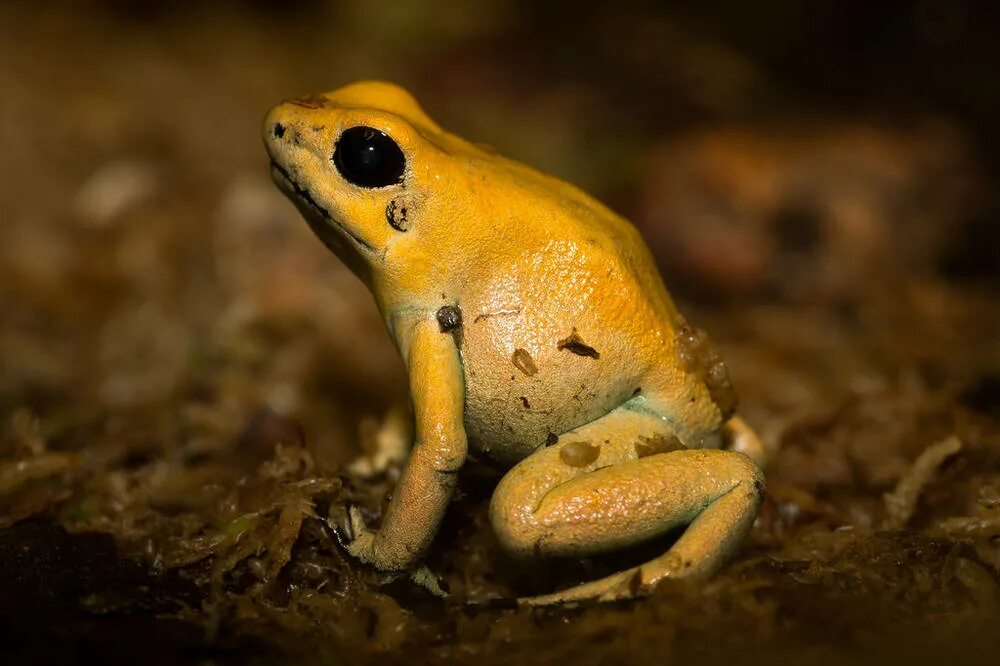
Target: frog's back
[576, 323]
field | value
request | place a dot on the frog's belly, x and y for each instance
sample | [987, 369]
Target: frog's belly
[522, 388]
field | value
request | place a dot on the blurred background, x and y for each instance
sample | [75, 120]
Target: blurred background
[817, 180]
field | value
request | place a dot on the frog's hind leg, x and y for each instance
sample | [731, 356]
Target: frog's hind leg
[618, 481]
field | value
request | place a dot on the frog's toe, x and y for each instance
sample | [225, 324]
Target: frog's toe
[426, 579]
[356, 523]
[626, 584]
[361, 548]
[359, 541]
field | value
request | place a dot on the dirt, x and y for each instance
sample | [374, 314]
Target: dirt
[187, 372]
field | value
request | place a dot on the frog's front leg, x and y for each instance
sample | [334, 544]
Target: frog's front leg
[616, 482]
[429, 475]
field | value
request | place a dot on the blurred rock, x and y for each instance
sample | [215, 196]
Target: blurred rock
[115, 189]
[809, 211]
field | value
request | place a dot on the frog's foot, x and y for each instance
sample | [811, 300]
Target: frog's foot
[616, 482]
[392, 444]
[359, 542]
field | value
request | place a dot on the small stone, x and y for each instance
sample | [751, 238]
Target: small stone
[116, 189]
[449, 318]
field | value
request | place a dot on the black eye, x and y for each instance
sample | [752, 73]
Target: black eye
[368, 158]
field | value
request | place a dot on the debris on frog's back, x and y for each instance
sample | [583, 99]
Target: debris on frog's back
[697, 355]
[522, 361]
[659, 443]
[449, 318]
[816, 210]
[575, 344]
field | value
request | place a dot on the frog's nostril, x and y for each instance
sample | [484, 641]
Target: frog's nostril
[279, 130]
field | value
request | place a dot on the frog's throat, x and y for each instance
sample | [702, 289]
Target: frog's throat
[303, 195]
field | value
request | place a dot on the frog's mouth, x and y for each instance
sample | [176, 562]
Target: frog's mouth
[301, 194]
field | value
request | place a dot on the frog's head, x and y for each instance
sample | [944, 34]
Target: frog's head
[366, 166]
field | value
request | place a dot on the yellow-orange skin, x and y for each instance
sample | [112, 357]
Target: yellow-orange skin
[531, 262]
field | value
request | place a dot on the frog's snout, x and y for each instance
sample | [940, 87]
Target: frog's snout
[275, 131]
[279, 132]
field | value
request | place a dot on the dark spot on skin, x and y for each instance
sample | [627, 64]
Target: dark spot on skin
[449, 318]
[396, 216]
[309, 101]
[575, 344]
[551, 439]
[635, 583]
[279, 130]
[643, 451]
[759, 487]
[318, 128]
[650, 446]
[697, 356]
[579, 454]
[525, 403]
[637, 391]
[688, 564]
[487, 315]
[522, 361]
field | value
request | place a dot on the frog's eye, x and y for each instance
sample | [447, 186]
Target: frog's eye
[367, 157]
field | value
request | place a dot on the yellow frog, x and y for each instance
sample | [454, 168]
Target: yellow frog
[537, 334]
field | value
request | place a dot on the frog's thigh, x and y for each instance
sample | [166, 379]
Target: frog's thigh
[552, 503]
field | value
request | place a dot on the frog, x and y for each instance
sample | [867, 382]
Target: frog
[537, 335]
